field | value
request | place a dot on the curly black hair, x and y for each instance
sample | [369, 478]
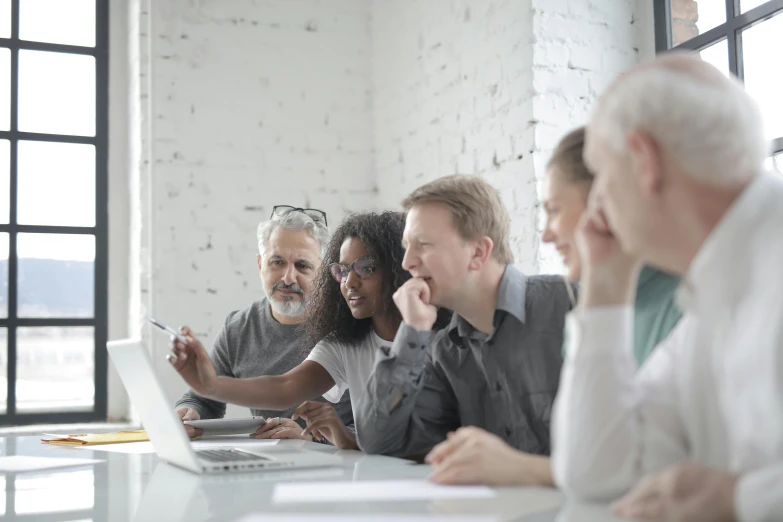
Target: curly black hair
[328, 314]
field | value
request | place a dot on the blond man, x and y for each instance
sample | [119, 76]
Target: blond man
[486, 382]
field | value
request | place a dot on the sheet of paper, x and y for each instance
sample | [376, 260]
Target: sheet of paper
[143, 448]
[375, 517]
[93, 439]
[133, 448]
[19, 463]
[374, 490]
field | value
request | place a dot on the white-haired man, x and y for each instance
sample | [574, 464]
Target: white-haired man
[697, 434]
[266, 338]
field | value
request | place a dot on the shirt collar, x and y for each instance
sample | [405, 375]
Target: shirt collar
[646, 275]
[715, 274]
[511, 300]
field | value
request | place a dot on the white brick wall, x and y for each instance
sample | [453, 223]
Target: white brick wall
[249, 104]
[580, 46]
[451, 91]
[344, 105]
[488, 87]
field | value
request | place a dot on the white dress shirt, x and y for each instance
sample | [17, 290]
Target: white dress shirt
[712, 392]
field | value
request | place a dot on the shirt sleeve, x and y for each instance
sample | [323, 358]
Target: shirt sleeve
[757, 497]
[611, 423]
[328, 355]
[407, 406]
[221, 360]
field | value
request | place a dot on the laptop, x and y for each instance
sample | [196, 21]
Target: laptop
[168, 437]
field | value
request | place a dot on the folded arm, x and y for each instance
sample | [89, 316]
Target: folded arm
[612, 423]
[407, 406]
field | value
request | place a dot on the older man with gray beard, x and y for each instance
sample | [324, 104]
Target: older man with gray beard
[266, 338]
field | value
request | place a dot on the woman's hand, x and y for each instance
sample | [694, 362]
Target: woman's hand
[324, 423]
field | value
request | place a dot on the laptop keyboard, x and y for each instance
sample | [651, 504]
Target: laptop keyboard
[229, 455]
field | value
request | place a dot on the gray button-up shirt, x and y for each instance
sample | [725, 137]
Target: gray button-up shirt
[504, 383]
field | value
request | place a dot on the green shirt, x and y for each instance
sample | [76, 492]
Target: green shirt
[656, 313]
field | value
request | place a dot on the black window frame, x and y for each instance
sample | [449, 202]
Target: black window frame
[99, 320]
[736, 22]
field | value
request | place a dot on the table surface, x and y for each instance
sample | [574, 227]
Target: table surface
[133, 487]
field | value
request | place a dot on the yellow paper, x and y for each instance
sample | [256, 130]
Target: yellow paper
[91, 439]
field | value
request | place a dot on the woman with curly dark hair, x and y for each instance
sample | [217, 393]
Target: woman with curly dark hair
[364, 251]
[352, 321]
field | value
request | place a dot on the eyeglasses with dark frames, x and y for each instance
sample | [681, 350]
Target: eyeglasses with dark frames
[363, 267]
[312, 213]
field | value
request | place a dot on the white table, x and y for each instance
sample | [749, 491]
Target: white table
[128, 487]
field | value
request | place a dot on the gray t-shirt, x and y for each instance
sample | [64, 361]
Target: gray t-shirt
[250, 344]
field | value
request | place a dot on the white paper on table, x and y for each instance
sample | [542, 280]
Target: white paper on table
[143, 448]
[19, 463]
[377, 490]
[133, 448]
[350, 517]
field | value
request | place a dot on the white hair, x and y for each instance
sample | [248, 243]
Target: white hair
[703, 120]
[293, 221]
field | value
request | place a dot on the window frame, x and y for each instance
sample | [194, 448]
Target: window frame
[99, 320]
[730, 30]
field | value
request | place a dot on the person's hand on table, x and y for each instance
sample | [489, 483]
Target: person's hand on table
[684, 492]
[472, 455]
[323, 422]
[280, 428]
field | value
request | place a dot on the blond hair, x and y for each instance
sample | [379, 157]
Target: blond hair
[567, 158]
[476, 207]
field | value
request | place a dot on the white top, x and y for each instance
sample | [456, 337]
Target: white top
[712, 392]
[349, 365]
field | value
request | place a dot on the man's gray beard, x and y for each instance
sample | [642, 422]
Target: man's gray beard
[289, 308]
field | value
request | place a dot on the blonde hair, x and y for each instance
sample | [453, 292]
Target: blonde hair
[567, 158]
[475, 206]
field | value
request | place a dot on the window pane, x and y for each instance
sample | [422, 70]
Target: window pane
[763, 79]
[5, 89]
[691, 18]
[56, 184]
[775, 163]
[3, 278]
[747, 5]
[5, 18]
[58, 21]
[717, 55]
[4, 370]
[55, 368]
[5, 179]
[56, 93]
[56, 275]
